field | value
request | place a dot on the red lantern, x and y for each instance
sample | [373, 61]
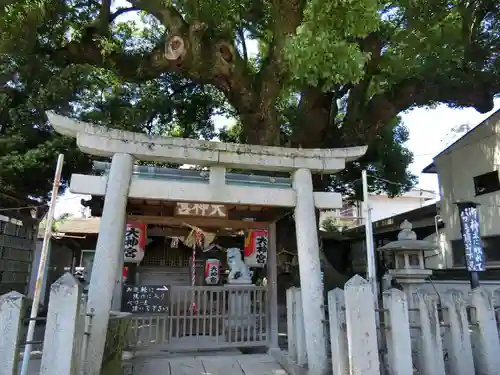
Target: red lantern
[212, 267]
[255, 251]
[135, 242]
[125, 274]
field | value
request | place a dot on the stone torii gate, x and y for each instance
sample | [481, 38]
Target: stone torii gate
[125, 147]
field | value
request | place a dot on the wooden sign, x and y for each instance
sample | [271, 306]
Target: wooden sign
[201, 209]
[149, 299]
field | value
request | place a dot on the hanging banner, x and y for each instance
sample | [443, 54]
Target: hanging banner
[212, 267]
[256, 246]
[135, 242]
[471, 236]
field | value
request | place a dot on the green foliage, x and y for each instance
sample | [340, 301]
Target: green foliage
[386, 162]
[324, 52]
[332, 225]
[325, 73]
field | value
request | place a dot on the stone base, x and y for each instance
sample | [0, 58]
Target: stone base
[239, 307]
[410, 276]
[238, 282]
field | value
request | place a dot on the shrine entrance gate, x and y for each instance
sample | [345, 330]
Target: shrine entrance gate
[220, 321]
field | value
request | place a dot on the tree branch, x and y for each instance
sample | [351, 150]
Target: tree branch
[241, 36]
[186, 50]
[121, 11]
[166, 14]
[474, 89]
[287, 16]
[315, 109]
[105, 15]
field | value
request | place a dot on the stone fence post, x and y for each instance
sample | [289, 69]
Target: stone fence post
[61, 343]
[361, 327]
[430, 356]
[338, 336]
[398, 333]
[11, 322]
[290, 321]
[486, 346]
[300, 331]
[297, 350]
[459, 342]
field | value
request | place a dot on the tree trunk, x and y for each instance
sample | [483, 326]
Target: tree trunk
[333, 277]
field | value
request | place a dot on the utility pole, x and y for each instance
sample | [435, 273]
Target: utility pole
[42, 267]
[370, 250]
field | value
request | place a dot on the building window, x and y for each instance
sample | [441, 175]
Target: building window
[486, 183]
[491, 248]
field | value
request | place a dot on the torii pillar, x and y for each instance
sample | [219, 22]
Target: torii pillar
[311, 285]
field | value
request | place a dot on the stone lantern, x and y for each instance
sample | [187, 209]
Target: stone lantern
[408, 252]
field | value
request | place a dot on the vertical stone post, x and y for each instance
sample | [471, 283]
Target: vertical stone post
[272, 286]
[459, 344]
[109, 252]
[431, 359]
[290, 323]
[398, 332]
[11, 322]
[116, 300]
[361, 327]
[338, 336]
[60, 354]
[486, 349]
[300, 330]
[310, 272]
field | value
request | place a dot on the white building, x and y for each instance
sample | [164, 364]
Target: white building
[468, 172]
[382, 207]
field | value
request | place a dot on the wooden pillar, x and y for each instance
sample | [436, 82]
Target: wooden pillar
[272, 286]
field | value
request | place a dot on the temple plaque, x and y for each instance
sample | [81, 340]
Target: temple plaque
[201, 209]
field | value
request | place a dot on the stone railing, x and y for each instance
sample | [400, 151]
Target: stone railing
[66, 333]
[452, 333]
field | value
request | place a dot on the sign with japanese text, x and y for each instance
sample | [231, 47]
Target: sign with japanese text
[471, 236]
[212, 267]
[152, 299]
[201, 209]
[135, 242]
[256, 247]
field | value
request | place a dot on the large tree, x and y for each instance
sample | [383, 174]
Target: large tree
[325, 74]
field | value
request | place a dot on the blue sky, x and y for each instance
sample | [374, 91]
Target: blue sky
[429, 133]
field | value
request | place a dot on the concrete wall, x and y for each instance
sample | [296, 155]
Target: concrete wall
[59, 257]
[437, 259]
[472, 155]
[17, 238]
[443, 286]
[384, 207]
